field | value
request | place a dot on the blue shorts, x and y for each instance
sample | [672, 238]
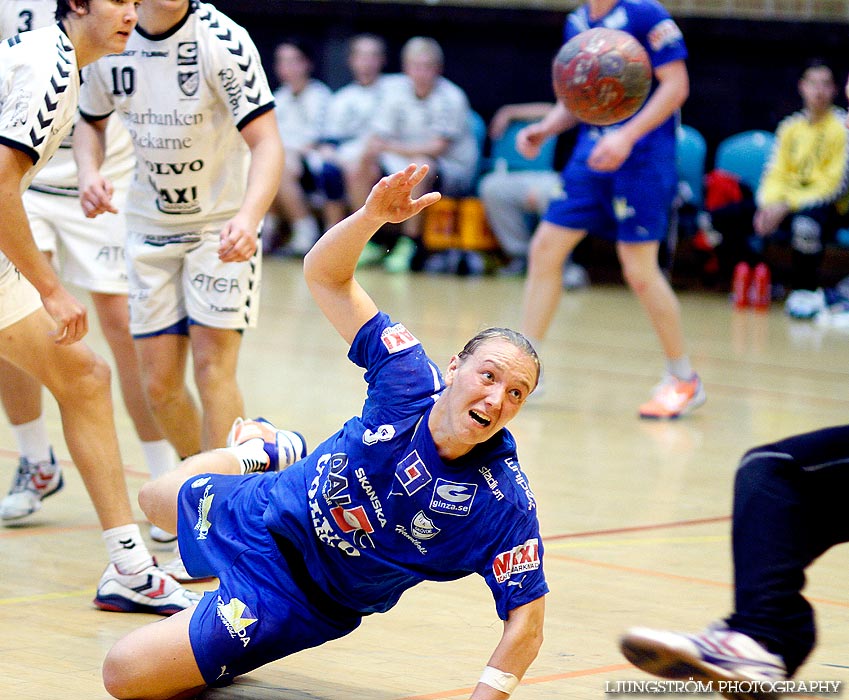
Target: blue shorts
[265, 607]
[631, 205]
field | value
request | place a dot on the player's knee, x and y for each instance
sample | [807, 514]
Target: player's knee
[118, 672]
[806, 235]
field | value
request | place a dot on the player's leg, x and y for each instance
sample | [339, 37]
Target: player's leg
[550, 246]
[292, 201]
[154, 662]
[163, 359]
[788, 510]
[215, 357]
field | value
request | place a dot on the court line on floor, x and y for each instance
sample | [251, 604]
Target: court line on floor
[454, 692]
[638, 528]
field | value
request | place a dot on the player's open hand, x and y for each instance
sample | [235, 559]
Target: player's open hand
[70, 316]
[530, 139]
[96, 195]
[238, 240]
[391, 199]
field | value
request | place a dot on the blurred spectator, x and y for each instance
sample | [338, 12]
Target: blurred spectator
[426, 119]
[301, 106]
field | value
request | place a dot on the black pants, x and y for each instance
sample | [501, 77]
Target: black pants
[789, 508]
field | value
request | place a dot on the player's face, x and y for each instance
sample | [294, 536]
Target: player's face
[366, 61]
[110, 23]
[486, 389]
[423, 71]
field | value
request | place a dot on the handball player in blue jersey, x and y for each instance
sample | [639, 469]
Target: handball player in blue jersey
[424, 485]
[620, 183]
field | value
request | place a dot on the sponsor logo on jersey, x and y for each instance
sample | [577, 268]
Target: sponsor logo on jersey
[177, 200]
[193, 166]
[322, 527]
[401, 530]
[187, 53]
[492, 482]
[521, 481]
[384, 433]
[202, 481]
[453, 498]
[522, 558]
[232, 86]
[110, 253]
[155, 54]
[422, 527]
[412, 473]
[369, 491]
[351, 519]
[189, 82]
[21, 110]
[203, 524]
[663, 34]
[397, 338]
[237, 617]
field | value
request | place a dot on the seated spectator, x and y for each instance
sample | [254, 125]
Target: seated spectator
[803, 191]
[426, 119]
[301, 106]
[515, 199]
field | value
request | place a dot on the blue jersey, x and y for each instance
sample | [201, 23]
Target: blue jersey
[374, 510]
[650, 23]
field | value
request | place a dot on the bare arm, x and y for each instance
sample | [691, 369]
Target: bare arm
[239, 235]
[673, 89]
[530, 139]
[526, 111]
[89, 153]
[17, 244]
[330, 264]
[519, 646]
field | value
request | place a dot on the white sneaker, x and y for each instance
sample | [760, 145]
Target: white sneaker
[803, 303]
[151, 590]
[31, 485]
[157, 534]
[266, 449]
[716, 654]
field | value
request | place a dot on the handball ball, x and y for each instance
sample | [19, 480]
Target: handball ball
[602, 75]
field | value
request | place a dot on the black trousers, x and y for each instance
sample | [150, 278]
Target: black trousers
[789, 508]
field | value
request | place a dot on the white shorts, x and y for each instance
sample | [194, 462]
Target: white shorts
[88, 252]
[175, 276]
[18, 298]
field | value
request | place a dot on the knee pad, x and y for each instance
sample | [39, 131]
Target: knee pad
[806, 235]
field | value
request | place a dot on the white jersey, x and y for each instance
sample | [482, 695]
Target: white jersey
[444, 113]
[300, 117]
[183, 96]
[39, 91]
[59, 176]
[354, 107]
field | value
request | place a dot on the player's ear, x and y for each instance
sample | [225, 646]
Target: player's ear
[451, 370]
[80, 7]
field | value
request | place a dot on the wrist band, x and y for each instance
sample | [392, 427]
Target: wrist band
[498, 679]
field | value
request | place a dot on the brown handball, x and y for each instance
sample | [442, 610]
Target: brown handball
[602, 75]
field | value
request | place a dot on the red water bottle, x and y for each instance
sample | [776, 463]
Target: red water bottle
[740, 285]
[761, 287]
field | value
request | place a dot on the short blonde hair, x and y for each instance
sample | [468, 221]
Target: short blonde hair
[423, 46]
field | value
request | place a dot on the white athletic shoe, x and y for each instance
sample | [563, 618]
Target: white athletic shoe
[715, 654]
[266, 449]
[33, 483]
[149, 591]
[157, 534]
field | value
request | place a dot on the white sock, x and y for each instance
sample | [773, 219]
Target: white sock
[251, 455]
[126, 548]
[159, 456]
[32, 440]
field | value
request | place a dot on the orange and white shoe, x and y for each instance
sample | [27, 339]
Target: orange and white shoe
[674, 397]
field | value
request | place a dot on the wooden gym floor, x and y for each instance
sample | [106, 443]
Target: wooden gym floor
[635, 514]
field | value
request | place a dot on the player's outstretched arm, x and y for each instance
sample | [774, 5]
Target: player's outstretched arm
[519, 646]
[330, 264]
